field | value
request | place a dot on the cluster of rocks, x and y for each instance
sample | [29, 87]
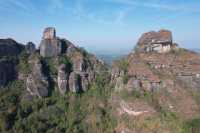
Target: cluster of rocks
[139, 77]
[74, 78]
[74, 81]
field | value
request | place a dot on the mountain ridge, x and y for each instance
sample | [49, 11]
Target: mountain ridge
[63, 88]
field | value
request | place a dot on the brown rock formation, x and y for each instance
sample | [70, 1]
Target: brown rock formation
[62, 79]
[160, 41]
[37, 83]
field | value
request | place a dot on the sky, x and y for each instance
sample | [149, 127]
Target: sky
[101, 25]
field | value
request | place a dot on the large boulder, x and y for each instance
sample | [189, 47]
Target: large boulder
[9, 47]
[160, 41]
[160, 36]
[50, 45]
[62, 79]
[37, 83]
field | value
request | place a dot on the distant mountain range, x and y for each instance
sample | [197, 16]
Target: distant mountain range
[197, 50]
[108, 58]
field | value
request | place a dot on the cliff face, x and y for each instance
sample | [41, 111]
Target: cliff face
[9, 47]
[9, 52]
[59, 64]
[37, 83]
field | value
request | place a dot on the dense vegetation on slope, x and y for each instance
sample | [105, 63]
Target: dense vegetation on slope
[90, 111]
[69, 90]
[83, 112]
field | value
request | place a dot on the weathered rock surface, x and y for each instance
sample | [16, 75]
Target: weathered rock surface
[50, 45]
[84, 81]
[9, 47]
[76, 72]
[160, 42]
[75, 82]
[172, 76]
[152, 36]
[49, 33]
[37, 83]
[62, 79]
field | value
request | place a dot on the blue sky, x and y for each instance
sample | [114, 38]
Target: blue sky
[101, 25]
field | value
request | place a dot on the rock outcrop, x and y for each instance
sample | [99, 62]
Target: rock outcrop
[49, 33]
[141, 70]
[68, 68]
[50, 45]
[63, 77]
[175, 73]
[75, 82]
[152, 41]
[84, 65]
[150, 80]
[37, 83]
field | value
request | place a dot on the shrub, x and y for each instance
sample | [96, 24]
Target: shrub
[65, 60]
[192, 126]
[24, 66]
[49, 65]
[123, 65]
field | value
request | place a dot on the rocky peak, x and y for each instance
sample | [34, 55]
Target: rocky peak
[49, 33]
[50, 45]
[153, 41]
[156, 37]
[9, 47]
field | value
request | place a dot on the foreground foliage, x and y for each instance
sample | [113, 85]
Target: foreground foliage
[85, 112]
